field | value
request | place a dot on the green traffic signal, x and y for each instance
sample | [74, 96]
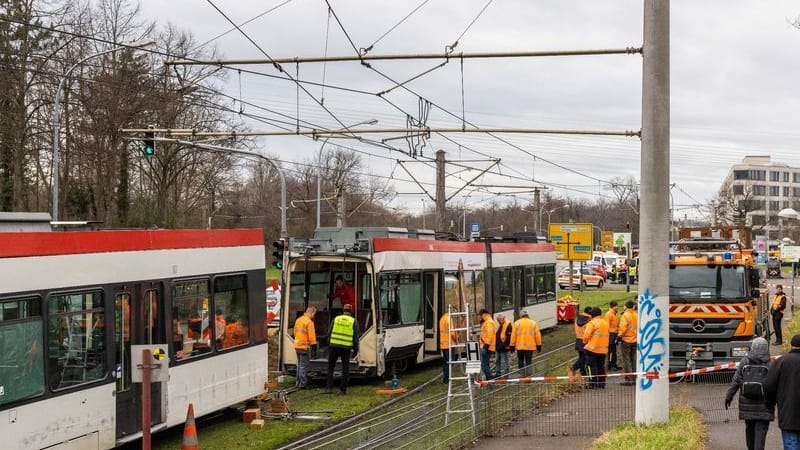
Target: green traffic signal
[280, 246]
[149, 144]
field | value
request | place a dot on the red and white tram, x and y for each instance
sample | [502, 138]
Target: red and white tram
[73, 303]
[403, 282]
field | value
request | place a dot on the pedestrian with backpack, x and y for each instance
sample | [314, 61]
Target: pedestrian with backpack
[749, 381]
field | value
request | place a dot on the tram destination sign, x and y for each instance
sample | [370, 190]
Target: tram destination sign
[573, 241]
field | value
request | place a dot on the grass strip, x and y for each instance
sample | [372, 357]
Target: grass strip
[684, 431]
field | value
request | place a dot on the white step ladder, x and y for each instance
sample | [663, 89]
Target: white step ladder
[462, 335]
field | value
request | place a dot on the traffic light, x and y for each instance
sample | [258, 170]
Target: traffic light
[279, 245]
[149, 143]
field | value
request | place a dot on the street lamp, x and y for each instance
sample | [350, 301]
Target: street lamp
[789, 213]
[550, 212]
[57, 112]
[319, 162]
[228, 150]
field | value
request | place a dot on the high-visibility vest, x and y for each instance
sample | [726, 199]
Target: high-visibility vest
[579, 328]
[627, 326]
[613, 321]
[595, 336]
[776, 303]
[235, 334]
[304, 334]
[488, 330]
[342, 331]
[526, 334]
[445, 336]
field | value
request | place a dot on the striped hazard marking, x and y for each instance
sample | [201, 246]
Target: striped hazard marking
[708, 308]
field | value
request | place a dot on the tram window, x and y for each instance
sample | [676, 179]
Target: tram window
[191, 324]
[548, 290]
[409, 293]
[532, 282]
[505, 283]
[365, 292]
[389, 298]
[21, 357]
[319, 284]
[451, 290]
[230, 318]
[122, 339]
[76, 339]
[475, 291]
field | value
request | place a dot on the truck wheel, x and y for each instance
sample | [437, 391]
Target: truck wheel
[599, 284]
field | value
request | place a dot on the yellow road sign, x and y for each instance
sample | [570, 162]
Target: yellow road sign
[607, 241]
[573, 241]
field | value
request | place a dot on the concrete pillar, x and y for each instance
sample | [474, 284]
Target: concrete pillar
[441, 202]
[652, 396]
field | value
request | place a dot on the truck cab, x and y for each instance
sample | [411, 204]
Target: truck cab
[716, 308]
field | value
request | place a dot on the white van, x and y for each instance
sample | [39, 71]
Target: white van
[607, 259]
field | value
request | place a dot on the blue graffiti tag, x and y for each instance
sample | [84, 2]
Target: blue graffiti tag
[652, 348]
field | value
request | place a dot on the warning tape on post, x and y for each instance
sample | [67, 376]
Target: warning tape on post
[647, 375]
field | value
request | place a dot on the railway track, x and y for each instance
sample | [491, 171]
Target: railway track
[547, 361]
[310, 439]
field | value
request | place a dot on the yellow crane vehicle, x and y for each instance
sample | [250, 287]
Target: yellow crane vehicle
[716, 307]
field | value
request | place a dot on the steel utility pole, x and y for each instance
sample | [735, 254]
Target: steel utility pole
[652, 395]
[441, 202]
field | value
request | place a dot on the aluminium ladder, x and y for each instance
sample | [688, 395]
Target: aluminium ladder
[461, 330]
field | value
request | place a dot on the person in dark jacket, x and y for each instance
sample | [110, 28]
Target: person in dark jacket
[781, 387]
[580, 323]
[755, 413]
[503, 346]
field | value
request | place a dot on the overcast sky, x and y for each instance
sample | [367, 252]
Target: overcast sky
[735, 66]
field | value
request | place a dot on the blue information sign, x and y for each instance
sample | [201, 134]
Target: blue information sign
[475, 227]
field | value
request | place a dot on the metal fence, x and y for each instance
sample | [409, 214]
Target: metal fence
[544, 408]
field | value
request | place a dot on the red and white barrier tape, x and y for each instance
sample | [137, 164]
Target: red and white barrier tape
[647, 375]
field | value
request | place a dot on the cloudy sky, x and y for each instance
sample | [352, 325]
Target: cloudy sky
[734, 86]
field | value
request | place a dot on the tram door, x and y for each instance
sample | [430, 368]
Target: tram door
[432, 304]
[138, 320]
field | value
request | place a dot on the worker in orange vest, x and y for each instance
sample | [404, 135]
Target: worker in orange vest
[627, 336]
[525, 339]
[446, 339]
[613, 328]
[488, 340]
[580, 323]
[503, 346]
[305, 345]
[777, 308]
[595, 344]
[236, 332]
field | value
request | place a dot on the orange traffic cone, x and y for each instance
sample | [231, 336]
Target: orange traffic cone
[189, 441]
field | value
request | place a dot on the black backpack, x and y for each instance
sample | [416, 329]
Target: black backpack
[753, 381]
